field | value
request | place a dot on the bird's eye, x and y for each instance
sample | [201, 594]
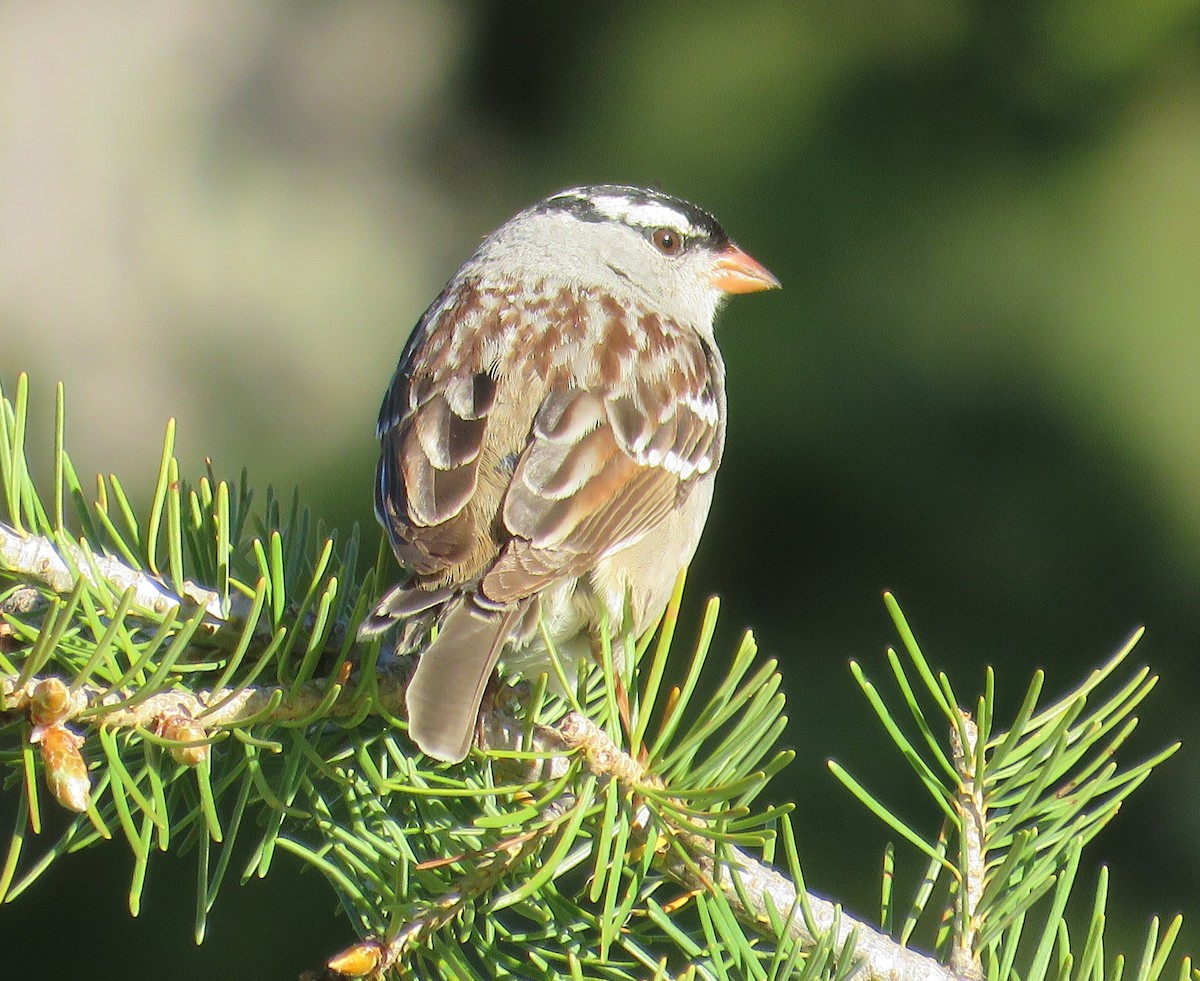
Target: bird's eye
[667, 241]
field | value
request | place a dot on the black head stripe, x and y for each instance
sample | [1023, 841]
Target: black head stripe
[616, 202]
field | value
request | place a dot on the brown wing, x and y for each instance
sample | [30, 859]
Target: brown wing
[510, 454]
[435, 481]
[429, 471]
[602, 468]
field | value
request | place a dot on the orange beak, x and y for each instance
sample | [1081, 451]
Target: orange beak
[737, 272]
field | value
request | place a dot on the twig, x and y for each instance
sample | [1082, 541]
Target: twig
[40, 559]
[964, 957]
[94, 705]
[881, 958]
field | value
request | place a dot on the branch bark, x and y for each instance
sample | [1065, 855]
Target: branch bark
[38, 559]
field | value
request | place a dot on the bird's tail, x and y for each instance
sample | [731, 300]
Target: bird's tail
[444, 694]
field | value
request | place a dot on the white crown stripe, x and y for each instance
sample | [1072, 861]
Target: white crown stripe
[648, 214]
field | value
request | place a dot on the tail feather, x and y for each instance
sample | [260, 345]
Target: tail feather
[400, 603]
[444, 694]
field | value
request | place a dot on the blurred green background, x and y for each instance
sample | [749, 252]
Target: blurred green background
[980, 387]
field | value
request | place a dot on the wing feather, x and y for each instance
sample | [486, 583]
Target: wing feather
[514, 466]
[601, 470]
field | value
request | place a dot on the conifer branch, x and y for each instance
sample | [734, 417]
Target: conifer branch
[38, 559]
[964, 955]
[752, 889]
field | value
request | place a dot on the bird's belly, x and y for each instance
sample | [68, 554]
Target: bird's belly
[646, 570]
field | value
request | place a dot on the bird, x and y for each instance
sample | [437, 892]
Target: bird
[549, 441]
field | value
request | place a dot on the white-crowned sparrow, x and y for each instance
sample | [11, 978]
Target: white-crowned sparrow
[550, 439]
